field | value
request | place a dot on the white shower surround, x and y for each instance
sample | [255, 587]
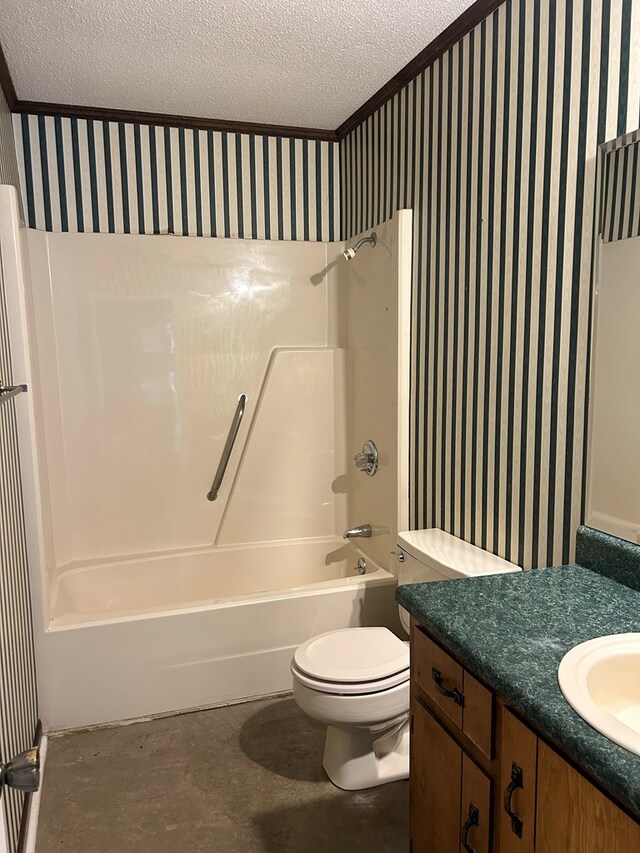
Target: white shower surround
[143, 345]
[124, 629]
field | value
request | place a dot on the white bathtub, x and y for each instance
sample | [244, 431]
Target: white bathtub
[164, 633]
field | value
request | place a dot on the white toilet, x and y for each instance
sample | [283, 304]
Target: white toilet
[356, 680]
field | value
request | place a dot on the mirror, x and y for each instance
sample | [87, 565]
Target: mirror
[613, 480]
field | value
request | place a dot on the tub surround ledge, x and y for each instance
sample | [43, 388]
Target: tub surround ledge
[512, 631]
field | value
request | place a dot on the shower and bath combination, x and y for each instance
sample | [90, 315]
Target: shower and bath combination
[224, 589]
[350, 253]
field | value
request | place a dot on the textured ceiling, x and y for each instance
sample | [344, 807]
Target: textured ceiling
[296, 62]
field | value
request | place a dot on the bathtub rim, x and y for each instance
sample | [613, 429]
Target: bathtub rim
[59, 571]
[376, 577]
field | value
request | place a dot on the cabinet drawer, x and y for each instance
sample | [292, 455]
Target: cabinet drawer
[460, 696]
[438, 675]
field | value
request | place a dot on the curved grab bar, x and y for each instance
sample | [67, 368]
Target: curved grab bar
[228, 447]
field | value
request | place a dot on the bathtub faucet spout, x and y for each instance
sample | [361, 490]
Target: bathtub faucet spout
[360, 531]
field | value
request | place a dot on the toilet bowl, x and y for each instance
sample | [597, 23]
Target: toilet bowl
[356, 680]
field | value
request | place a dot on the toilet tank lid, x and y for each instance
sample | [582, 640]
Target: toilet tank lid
[447, 554]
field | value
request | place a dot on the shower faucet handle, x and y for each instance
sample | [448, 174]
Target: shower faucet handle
[362, 461]
[367, 459]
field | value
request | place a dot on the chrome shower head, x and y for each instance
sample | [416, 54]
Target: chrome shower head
[350, 253]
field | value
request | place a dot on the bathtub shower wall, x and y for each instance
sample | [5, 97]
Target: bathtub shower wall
[119, 177]
[143, 347]
[375, 287]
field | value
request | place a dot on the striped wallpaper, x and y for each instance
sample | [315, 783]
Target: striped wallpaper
[8, 162]
[86, 175]
[495, 146]
[18, 703]
[621, 193]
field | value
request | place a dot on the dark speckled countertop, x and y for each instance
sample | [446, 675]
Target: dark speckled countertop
[512, 632]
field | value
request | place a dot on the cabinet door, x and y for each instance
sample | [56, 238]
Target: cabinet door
[573, 816]
[435, 785]
[518, 757]
[475, 818]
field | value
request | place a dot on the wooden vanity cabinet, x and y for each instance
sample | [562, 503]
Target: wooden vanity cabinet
[450, 794]
[482, 781]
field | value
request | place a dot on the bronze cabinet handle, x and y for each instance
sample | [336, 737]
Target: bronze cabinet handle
[454, 694]
[514, 784]
[471, 821]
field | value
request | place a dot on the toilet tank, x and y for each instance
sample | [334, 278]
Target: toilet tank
[433, 555]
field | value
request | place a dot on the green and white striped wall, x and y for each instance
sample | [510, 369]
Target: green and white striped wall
[8, 164]
[115, 177]
[18, 699]
[621, 189]
[495, 148]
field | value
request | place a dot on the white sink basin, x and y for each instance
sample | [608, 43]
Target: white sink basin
[600, 679]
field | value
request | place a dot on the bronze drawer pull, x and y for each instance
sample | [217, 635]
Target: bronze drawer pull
[454, 694]
[471, 821]
[514, 784]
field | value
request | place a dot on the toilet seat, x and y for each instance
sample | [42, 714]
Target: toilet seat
[352, 661]
[353, 688]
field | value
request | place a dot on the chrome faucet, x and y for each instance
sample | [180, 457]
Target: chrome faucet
[360, 531]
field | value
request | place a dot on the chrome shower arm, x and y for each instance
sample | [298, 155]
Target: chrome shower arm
[350, 253]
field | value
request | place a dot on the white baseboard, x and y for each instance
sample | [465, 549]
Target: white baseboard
[34, 809]
[4, 840]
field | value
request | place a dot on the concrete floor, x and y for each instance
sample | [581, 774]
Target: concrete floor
[244, 778]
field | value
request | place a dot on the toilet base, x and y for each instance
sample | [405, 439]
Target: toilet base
[356, 758]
